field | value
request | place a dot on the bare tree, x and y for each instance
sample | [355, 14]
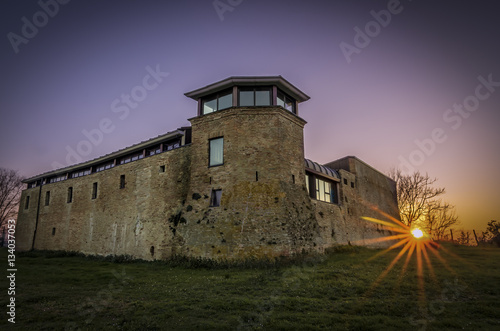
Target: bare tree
[464, 238]
[493, 232]
[440, 216]
[10, 192]
[415, 195]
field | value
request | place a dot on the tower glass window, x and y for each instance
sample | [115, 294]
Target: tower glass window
[285, 101]
[255, 96]
[216, 152]
[219, 101]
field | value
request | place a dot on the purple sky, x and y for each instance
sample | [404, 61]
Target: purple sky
[397, 88]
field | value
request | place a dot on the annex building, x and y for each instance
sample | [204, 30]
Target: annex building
[234, 184]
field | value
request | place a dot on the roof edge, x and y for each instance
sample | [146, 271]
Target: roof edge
[107, 157]
[279, 81]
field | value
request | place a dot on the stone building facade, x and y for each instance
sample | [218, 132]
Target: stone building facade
[235, 184]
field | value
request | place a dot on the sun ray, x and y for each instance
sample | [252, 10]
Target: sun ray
[399, 243]
[392, 218]
[381, 239]
[428, 261]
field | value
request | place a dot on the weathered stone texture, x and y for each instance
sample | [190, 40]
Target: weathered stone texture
[127, 220]
[265, 209]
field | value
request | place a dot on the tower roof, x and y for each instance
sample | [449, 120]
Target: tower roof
[279, 81]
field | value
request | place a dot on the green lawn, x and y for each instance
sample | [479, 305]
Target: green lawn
[334, 291]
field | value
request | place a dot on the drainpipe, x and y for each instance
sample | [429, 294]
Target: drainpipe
[37, 214]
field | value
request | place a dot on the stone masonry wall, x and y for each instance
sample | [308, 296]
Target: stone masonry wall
[261, 213]
[127, 220]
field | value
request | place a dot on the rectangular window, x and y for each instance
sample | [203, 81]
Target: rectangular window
[209, 105]
[153, 150]
[94, 190]
[53, 231]
[105, 166]
[122, 181]
[215, 198]
[216, 152]
[307, 184]
[216, 102]
[246, 98]
[322, 190]
[255, 96]
[285, 101]
[80, 173]
[162, 168]
[27, 203]
[263, 97]
[225, 101]
[47, 198]
[57, 179]
[70, 195]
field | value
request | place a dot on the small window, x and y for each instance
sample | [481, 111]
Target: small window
[27, 203]
[256, 176]
[162, 168]
[307, 184]
[352, 184]
[47, 198]
[293, 179]
[215, 198]
[345, 181]
[216, 152]
[94, 190]
[53, 231]
[122, 181]
[70, 195]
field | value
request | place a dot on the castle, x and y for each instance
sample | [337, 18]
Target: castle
[233, 185]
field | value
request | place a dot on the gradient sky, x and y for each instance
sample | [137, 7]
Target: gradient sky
[395, 90]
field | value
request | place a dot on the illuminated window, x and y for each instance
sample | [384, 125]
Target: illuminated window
[216, 153]
[321, 189]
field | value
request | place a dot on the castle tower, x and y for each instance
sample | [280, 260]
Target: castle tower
[247, 160]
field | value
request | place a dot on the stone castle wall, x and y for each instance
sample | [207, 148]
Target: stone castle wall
[265, 208]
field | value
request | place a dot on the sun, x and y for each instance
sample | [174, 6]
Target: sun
[412, 241]
[417, 233]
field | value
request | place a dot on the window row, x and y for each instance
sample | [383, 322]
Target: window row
[322, 189]
[69, 198]
[70, 191]
[167, 146]
[247, 97]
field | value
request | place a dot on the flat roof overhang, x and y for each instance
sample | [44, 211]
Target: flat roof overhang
[108, 157]
[279, 81]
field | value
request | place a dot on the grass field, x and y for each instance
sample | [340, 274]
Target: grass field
[334, 291]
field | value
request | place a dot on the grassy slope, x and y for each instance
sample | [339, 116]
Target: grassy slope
[333, 292]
